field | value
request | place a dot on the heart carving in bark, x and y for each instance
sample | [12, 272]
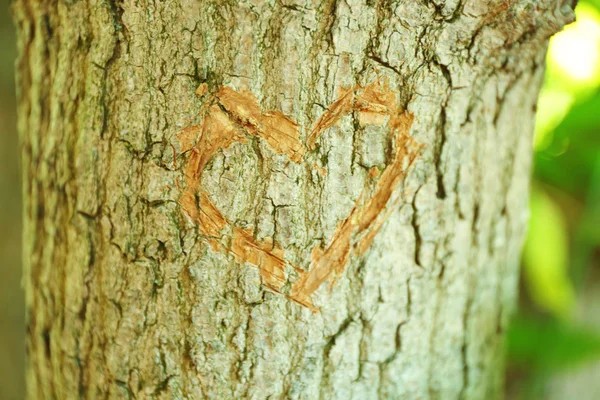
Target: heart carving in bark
[230, 116]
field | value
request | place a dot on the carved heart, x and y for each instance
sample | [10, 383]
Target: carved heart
[230, 116]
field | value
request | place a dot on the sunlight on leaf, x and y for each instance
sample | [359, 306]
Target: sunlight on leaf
[546, 257]
[575, 51]
[553, 106]
[573, 72]
[551, 344]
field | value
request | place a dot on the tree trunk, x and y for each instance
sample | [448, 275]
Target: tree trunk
[275, 199]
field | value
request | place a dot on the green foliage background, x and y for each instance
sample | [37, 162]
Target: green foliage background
[554, 342]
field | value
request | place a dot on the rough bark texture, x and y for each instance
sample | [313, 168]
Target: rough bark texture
[129, 295]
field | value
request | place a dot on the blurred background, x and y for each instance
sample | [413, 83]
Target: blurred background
[554, 341]
[12, 309]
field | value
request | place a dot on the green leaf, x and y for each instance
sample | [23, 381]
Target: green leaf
[549, 345]
[545, 257]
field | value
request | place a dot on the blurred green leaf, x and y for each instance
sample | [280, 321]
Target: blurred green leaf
[548, 345]
[567, 166]
[567, 163]
[568, 122]
[553, 106]
[573, 60]
[582, 123]
[593, 3]
[546, 256]
[587, 232]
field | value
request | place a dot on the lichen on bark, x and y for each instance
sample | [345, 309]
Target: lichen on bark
[127, 298]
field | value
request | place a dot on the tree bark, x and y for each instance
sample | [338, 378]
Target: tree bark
[194, 172]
